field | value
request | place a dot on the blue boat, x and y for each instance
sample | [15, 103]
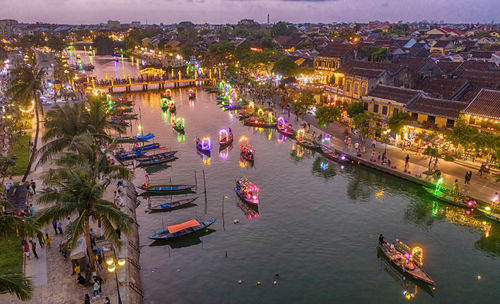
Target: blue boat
[147, 147]
[124, 155]
[204, 145]
[182, 229]
[172, 205]
[145, 137]
[167, 189]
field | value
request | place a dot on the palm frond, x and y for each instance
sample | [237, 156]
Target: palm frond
[16, 284]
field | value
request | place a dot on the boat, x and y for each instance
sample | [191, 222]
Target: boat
[123, 102]
[166, 95]
[147, 147]
[144, 137]
[225, 138]
[333, 154]
[305, 141]
[178, 124]
[245, 115]
[119, 122]
[167, 189]
[125, 155]
[181, 229]
[172, 205]
[447, 196]
[204, 145]
[191, 94]
[407, 260]
[260, 122]
[164, 104]
[156, 159]
[247, 191]
[246, 150]
[490, 213]
[213, 90]
[284, 128]
[124, 117]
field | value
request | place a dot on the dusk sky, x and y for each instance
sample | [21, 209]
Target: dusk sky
[230, 11]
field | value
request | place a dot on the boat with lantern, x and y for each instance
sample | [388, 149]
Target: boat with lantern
[147, 147]
[448, 196]
[407, 260]
[333, 154]
[166, 95]
[172, 205]
[204, 145]
[164, 104]
[225, 138]
[246, 150]
[191, 94]
[306, 140]
[123, 101]
[285, 128]
[178, 124]
[182, 229]
[260, 122]
[247, 191]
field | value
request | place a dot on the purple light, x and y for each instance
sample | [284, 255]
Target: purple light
[342, 157]
[342, 167]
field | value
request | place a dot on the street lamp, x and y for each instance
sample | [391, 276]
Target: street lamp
[112, 267]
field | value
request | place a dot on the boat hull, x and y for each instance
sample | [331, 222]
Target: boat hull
[166, 236]
[172, 205]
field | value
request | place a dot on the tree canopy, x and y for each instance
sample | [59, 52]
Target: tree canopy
[286, 67]
[282, 29]
[327, 114]
[355, 108]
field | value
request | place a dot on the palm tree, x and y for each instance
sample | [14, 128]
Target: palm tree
[74, 189]
[16, 284]
[25, 89]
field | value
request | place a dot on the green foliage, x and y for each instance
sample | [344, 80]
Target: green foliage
[375, 53]
[399, 29]
[282, 29]
[103, 45]
[362, 121]
[56, 43]
[21, 154]
[187, 50]
[304, 102]
[134, 38]
[327, 114]
[11, 269]
[461, 134]
[398, 121]
[221, 52]
[286, 67]
[355, 108]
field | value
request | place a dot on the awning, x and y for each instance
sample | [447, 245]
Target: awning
[80, 250]
[178, 227]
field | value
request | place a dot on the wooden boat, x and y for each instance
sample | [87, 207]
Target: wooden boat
[399, 260]
[248, 153]
[123, 102]
[247, 191]
[490, 213]
[258, 122]
[213, 90]
[167, 189]
[245, 115]
[191, 94]
[124, 155]
[164, 104]
[156, 159]
[147, 147]
[145, 137]
[333, 154]
[204, 145]
[178, 124]
[172, 205]
[181, 229]
[231, 107]
[119, 122]
[449, 198]
[308, 144]
[225, 138]
[124, 117]
[125, 139]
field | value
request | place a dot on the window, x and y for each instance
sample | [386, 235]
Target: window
[375, 108]
[363, 90]
[431, 119]
[384, 110]
[472, 120]
[348, 86]
[450, 123]
[356, 88]
[414, 116]
[365, 106]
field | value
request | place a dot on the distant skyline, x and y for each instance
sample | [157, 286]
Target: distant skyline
[230, 11]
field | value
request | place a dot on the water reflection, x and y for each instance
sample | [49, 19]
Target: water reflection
[244, 163]
[324, 167]
[251, 212]
[224, 153]
[187, 241]
[299, 153]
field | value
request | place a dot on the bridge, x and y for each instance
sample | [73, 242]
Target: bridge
[148, 84]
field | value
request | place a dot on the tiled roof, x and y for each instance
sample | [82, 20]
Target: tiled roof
[481, 54]
[336, 50]
[448, 67]
[413, 63]
[485, 104]
[437, 107]
[400, 95]
[489, 79]
[390, 67]
[442, 44]
[366, 73]
[443, 88]
[477, 65]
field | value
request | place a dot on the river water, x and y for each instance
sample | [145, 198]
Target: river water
[313, 238]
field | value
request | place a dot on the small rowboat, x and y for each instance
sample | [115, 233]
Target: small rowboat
[286, 130]
[172, 205]
[147, 147]
[308, 144]
[248, 154]
[125, 139]
[124, 117]
[167, 189]
[204, 145]
[398, 260]
[145, 137]
[247, 191]
[124, 155]
[259, 123]
[181, 229]
[157, 159]
[225, 138]
[245, 115]
[119, 122]
[214, 90]
[231, 107]
[489, 213]
[451, 199]
[191, 94]
[333, 155]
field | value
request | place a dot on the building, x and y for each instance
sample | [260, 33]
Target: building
[7, 28]
[435, 113]
[484, 111]
[443, 47]
[113, 24]
[386, 100]
[333, 57]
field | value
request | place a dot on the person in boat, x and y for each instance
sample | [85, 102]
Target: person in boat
[230, 133]
[381, 240]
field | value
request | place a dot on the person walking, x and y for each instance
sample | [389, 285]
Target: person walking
[33, 248]
[86, 300]
[374, 143]
[59, 227]
[33, 186]
[26, 248]
[407, 160]
[107, 301]
[378, 156]
[54, 224]
[96, 289]
[47, 239]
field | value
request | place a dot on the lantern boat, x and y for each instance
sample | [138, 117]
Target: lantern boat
[333, 154]
[182, 229]
[407, 260]
[284, 128]
[447, 196]
[167, 95]
[178, 124]
[225, 138]
[247, 191]
[259, 122]
[246, 150]
[191, 94]
[172, 205]
[305, 141]
[204, 145]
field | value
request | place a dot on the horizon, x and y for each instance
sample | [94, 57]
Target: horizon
[293, 11]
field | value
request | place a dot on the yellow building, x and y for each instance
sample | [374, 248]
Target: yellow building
[435, 113]
[386, 100]
[484, 111]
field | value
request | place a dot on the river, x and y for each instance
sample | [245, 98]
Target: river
[313, 238]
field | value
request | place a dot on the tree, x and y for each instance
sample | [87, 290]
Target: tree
[355, 108]
[461, 135]
[375, 53]
[304, 102]
[103, 45]
[25, 90]
[361, 122]
[282, 29]
[286, 67]
[221, 52]
[187, 50]
[56, 43]
[75, 190]
[16, 284]
[327, 114]
[397, 121]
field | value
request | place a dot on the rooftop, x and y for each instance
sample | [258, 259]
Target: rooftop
[437, 107]
[444, 88]
[485, 104]
[400, 95]
[336, 50]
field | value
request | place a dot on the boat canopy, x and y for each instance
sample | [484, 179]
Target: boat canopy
[178, 227]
